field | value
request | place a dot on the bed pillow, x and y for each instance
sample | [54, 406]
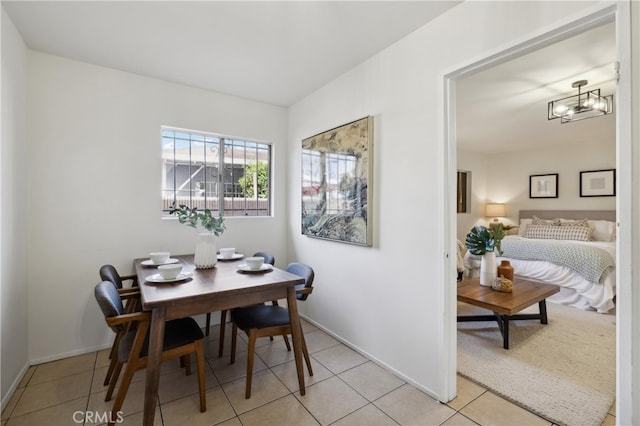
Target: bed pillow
[554, 232]
[574, 222]
[523, 226]
[603, 230]
[537, 221]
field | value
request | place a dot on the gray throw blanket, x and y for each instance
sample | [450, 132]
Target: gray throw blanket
[590, 262]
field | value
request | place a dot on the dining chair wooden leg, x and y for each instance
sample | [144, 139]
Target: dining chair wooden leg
[110, 370]
[250, 355]
[186, 359]
[208, 324]
[122, 391]
[286, 342]
[305, 353]
[199, 344]
[113, 380]
[114, 347]
[129, 371]
[113, 356]
[234, 336]
[223, 324]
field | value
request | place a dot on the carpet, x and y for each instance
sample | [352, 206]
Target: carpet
[564, 371]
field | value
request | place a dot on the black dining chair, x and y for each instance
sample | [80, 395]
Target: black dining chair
[270, 320]
[181, 338]
[110, 273]
[268, 258]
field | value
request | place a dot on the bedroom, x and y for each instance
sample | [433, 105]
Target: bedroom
[521, 142]
[500, 159]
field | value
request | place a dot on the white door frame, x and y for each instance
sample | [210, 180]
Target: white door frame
[628, 252]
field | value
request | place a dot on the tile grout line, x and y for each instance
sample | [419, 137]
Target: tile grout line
[93, 377]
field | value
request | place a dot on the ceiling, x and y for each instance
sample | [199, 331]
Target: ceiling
[273, 52]
[504, 108]
[279, 52]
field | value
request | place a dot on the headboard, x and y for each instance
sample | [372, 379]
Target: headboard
[609, 215]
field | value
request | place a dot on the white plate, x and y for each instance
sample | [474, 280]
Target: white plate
[150, 262]
[235, 256]
[157, 278]
[243, 267]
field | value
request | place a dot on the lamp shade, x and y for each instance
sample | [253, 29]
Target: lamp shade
[496, 210]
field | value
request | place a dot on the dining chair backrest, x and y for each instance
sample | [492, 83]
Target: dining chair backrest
[268, 257]
[109, 273]
[109, 301]
[304, 271]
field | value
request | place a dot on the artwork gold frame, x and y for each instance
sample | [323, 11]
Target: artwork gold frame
[337, 183]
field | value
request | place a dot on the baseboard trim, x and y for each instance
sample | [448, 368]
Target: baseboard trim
[12, 389]
[367, 355]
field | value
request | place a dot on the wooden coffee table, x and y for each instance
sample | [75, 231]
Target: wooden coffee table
[505, 305]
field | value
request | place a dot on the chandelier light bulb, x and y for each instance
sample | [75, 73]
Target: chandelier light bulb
[560, 108]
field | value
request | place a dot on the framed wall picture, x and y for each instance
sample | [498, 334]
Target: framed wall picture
[336, 183]
[464, 191]
[598, 183]
[543, 186]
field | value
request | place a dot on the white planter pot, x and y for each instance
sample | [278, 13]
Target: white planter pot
[488, 269]
[206, 255]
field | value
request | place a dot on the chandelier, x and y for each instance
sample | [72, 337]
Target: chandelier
[584, 105]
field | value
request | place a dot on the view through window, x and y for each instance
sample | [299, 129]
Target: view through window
[228, 176]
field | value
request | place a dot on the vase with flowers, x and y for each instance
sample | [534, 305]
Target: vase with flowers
[206, 253]
[485, 242]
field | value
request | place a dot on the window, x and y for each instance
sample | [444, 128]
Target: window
[228, 176]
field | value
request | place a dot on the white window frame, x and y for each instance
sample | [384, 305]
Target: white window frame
[189, 154]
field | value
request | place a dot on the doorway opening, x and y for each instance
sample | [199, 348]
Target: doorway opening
[453, 82]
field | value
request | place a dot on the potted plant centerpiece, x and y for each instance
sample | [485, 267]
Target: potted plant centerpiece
[485, 242]
[206, 252]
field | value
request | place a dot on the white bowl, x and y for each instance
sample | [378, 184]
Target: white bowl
[159, 257]
[170, 272]
[227, 253]
[254, 262]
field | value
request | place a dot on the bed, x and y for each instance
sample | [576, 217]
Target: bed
[574, 249]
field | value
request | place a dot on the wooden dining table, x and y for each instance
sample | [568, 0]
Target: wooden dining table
[207, 290]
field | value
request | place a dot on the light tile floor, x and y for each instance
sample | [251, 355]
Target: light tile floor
[346, 389]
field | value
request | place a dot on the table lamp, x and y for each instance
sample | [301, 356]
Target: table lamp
[495, 210]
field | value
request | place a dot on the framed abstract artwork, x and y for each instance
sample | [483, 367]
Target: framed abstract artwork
[463, 191]
[543, 186]
[336, 183]
[598, 183]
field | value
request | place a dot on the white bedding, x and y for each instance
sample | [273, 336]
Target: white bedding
[575, 290]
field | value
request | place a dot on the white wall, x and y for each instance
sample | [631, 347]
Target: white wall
[94, 187]
[13, 211]
[509, 183]
[507, 179]
[385, 300]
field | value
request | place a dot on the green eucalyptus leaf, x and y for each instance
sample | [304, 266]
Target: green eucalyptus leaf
[190, 216]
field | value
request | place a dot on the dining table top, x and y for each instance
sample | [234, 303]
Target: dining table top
[224, 279]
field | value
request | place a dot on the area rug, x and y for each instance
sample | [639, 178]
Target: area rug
[563, 371]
